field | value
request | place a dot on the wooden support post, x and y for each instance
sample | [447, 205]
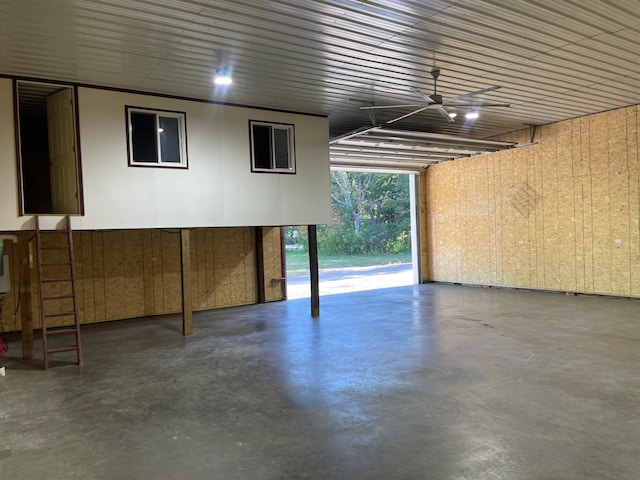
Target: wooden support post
[313, 268]
[25, 253]
[187, 308]
[262, 298]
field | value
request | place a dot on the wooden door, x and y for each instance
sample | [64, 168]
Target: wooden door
[62, 152]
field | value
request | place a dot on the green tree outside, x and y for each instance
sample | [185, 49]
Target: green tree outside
[370, 215]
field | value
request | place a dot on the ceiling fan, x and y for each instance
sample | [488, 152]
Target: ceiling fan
[436, 102]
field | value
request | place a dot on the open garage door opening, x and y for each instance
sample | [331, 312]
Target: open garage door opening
[370, 242]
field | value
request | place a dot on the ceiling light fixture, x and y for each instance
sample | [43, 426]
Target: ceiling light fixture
[471, 115]
[222, 78]
[453, 114]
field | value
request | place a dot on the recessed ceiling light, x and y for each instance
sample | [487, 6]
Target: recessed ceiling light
[222, 79]
[471, 115]
[453, 114]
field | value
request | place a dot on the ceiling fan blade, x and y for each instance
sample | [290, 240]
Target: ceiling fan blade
[465, 95]
[426, 97]
[478, 105]
[423, 95]
[442, 111]
[372, 107]
[409, 114]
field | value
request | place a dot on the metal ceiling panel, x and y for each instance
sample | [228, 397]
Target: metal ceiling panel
[554, 59]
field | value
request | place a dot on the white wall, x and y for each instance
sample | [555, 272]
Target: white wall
[218, 188]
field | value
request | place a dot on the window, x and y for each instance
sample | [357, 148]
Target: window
[156, 138]
[272, 147]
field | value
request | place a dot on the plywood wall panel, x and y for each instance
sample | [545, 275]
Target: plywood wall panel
[533, 195]
[491, 220]
[222, 271]
[251, 287]
[634, 232]
[468, 240]
[157, 272]
[551, 238]
[271, 239]
[86, 278]
[484, 228]
[588, 229]
[572, 200]
[566, 208]
[633, 159]
[133, 274]
[77, 251]
[620, 233]
[114, 286]
[449, 229]
[576, 147]
[147, 272]
[617, 140]
[579, 233]
[508, 229]
[585, 147]
[522, 206]
[599, 143]
[200, 293]
[9, 322]
[171, 271]
[539, 233]
[210, 300]
[601, 235]
[97, 244]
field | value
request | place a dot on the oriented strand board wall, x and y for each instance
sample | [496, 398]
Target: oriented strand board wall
[273, 273]
[133, 273]
[561, 215]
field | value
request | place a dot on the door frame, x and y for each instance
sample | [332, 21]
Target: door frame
[18, 142]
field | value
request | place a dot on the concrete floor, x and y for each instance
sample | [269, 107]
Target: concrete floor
[420, 382]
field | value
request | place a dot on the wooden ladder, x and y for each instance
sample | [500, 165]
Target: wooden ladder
[57, 288]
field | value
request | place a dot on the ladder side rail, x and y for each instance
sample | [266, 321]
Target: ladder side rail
[43, 321]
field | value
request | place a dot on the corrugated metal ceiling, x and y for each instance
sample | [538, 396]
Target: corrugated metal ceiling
[554, 59]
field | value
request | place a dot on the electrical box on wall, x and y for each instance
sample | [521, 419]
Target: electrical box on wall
[5, 279]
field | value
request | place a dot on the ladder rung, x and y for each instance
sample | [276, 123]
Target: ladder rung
[61, 314]
[55, 248]
[62, 349]
[51, 264]
[62, 331]
[58, 297]
[56, 280]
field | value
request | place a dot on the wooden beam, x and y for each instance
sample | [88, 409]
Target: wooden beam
[187, 308]
[313, 268]
[262, 298]
[25, 253]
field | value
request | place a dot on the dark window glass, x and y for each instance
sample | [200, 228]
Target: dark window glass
[169, 139]
[261, 146]
[143, 137]
[281, 141]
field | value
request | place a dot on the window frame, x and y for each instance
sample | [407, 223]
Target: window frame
[182, 132]
[290, 128]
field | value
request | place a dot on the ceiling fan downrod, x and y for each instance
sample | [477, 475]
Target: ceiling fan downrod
[435, 73]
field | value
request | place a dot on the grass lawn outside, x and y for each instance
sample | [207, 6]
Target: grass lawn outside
[298, 261]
